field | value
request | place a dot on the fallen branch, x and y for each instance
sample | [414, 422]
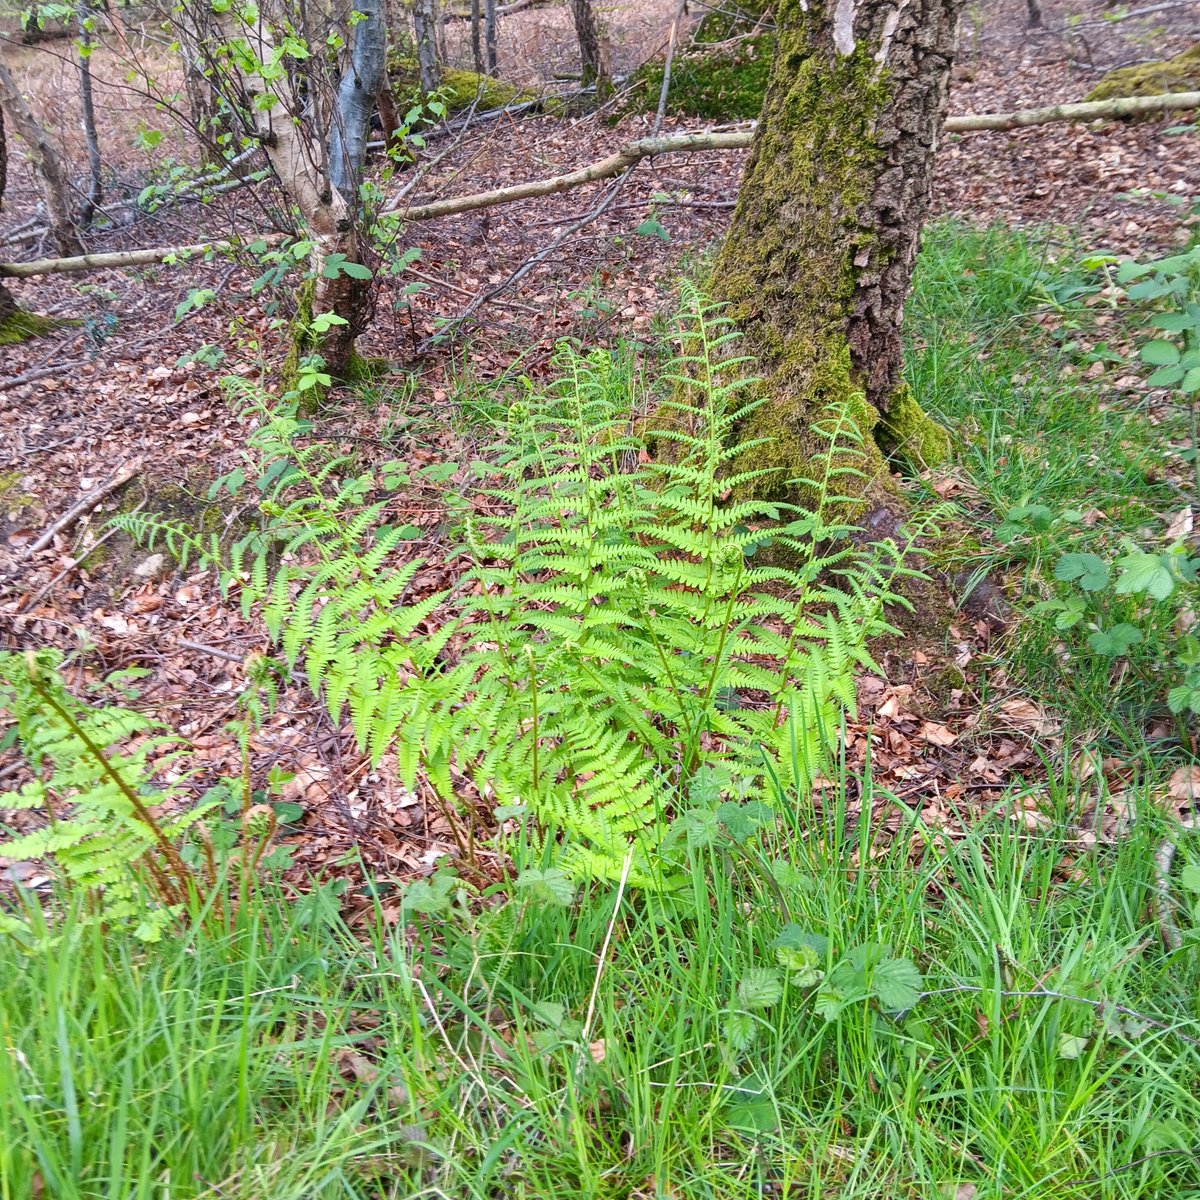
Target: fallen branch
[605, 168]
[17, 381]
[502, 10]
[123, 258]
[1093, 110]
[84, 504]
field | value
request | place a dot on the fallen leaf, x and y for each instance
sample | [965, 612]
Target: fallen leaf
[937, 734]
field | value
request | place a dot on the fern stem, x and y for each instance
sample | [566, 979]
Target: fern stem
[533, 694]
[182, 874]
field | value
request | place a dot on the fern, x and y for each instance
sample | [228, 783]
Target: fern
[109, 827]
[612, 635]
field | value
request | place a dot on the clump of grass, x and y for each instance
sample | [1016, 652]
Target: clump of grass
[543, 1050]
[1055, 461]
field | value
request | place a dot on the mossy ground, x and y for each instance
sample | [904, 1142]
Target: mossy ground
[714, 85]
[22, 326]
[720, 75]
[111, 566]
[1178, 74]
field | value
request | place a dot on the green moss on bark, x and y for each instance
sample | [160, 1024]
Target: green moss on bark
[908, 432]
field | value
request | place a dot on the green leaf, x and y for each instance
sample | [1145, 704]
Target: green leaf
[896, 984]
[1189, 877]
[1144, 572]
[759, 987]
[1191, 381]
[551, 885]
[1071, 1045]
[431, 897]
[1160, 353]
[1115, 641]
[325, 321]
[439, 472]
[744, 820]
[739, 1029]
[288, 812]
[651, 227]
[708, 783]
[1176, 322]
[1089, 569]
[700, 826]
[549, 1013]
[1165, 376]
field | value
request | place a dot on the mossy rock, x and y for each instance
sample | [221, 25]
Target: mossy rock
[459, 88]
[712, 79]
[1178, 74]
[22, 326]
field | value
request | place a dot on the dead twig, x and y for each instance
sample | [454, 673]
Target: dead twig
[123, 474]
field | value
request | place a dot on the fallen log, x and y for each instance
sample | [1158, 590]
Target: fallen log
[613, 165]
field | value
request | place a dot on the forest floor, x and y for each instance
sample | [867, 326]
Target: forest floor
[121, 392]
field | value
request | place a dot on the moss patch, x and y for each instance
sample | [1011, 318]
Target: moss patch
[909, 433]
[459, 88]
[1178, 74]
[715, 85]
[22, 326]
[721, 75]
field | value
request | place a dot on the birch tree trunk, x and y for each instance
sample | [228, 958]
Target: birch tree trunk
[330, 219]
[47, 166]
[819, 257]
[360, 83]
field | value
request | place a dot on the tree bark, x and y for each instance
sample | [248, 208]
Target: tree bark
[361, 81]
[819, 257]
[489, 34]
[47, 165]
[8, 305]
[87, 108]
[425, 34]
[587, 30]
[476, 37]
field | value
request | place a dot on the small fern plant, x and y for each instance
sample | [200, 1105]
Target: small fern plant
[110, 828]
[612, 648]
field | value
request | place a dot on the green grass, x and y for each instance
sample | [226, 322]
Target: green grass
[1035, 431]
[209, 1066]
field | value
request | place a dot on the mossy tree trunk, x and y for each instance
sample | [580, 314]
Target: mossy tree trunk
[591, 51]
[819, 258]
